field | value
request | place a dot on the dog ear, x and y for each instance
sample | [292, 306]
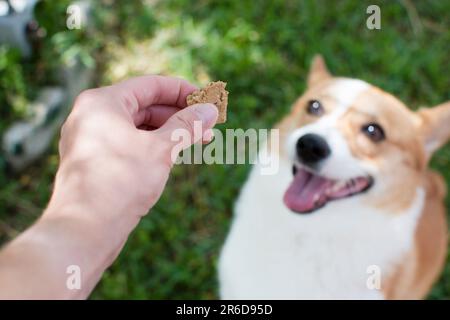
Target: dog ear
[435, 126]
[318, 71]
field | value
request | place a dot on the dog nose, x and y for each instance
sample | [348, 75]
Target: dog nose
[312, 148]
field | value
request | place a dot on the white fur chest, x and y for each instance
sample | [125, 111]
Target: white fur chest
[272, 253]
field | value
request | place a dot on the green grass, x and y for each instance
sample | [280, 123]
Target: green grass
[263, 50]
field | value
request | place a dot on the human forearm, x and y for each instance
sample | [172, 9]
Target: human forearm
[35, 265]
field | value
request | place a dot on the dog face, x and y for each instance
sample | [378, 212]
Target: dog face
[345, 137]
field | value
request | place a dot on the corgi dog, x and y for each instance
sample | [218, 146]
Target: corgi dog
[353, 212]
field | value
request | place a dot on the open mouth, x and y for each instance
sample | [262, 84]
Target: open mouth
[309, 191]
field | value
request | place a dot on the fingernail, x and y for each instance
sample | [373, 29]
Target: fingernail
[207, 112]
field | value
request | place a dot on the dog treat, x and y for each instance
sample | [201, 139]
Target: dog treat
[214, 93]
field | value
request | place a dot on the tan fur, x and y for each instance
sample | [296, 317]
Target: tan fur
[435, 124]
[402, 161]
[401, 151]
[319, 71]
[421, 267]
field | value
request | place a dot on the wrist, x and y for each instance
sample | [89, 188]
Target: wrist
[108, 195]
[102, 229]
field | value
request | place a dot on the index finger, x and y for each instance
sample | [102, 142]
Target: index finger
[145, 91]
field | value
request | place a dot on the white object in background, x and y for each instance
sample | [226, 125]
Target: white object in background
[14, 19]
[26, 141]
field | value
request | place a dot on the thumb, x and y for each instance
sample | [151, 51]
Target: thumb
[188, 125]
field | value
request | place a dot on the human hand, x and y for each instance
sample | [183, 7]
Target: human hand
[112, 171]
[112, 167]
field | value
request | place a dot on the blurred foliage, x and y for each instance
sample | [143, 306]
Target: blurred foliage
[263, 50]
[12, 83]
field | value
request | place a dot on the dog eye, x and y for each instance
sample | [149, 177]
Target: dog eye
[315, 108]
[374, 131]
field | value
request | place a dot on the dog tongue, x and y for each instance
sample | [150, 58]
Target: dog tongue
[306, 192]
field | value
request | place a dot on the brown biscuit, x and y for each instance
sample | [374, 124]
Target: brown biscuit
[214, 93]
